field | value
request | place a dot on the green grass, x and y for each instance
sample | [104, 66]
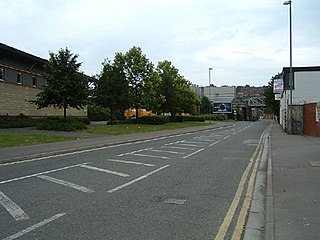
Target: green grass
[138, 128]
[16, 139]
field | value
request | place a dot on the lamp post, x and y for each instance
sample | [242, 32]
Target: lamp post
[291, 72]
[210, 94]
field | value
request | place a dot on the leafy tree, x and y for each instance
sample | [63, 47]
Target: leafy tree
[65, 86]
[138, 69]
[176, 89]
[111, 89]
[205, 105]
[273, 106]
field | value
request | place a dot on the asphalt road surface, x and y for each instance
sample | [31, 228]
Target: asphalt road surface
[187, 186]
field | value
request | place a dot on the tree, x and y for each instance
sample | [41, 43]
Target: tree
[273, 106]
[205, 105]
[138, 69]
[111, 88]
[65, 86]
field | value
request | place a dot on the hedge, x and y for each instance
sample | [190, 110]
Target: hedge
[190, 118]
[17, 121]
[60, 124]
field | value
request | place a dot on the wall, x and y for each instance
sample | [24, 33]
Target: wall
[14, 101]
[311, 127]
[306, 87]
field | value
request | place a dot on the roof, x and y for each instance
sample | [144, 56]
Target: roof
[6, 50]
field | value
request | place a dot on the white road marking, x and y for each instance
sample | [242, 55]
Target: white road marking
[191, 142]
[137, 151]
[175, 147]
[131, 162]
[214, 143]
[41, 173]
[151, 156]
[34, 227]
[163, 151]
[136, 180]
[226, 137]
[194, 153]
[105, 170]
[66, 183]
[185, 144]
[201, 139]
[15, 211]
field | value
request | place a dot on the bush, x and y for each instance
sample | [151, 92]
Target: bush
[190, 118]
[215, 117]
[153, 120]
[17, 121]
[98, 113]
[60, 124]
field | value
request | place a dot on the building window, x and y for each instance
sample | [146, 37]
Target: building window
[1, 74]
[34, 81]
[19, 78]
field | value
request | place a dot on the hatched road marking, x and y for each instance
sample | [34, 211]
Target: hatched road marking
[15, 211]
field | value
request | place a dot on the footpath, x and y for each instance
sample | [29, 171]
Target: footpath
[86, 141]
[294, 207]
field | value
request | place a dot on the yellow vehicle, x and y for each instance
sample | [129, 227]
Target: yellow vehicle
[129, 113]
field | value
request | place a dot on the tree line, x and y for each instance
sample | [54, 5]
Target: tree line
[130, 80]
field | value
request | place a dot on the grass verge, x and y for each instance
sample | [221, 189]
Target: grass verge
[17, 139]
[138, 128]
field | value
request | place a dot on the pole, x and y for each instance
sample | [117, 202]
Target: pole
[291, 72]
[210, 95]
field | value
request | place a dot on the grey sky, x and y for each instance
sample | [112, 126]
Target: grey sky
[245, 41]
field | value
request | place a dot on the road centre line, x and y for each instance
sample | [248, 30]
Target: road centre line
[15, 211]
[41, 173]
[34, 227]
[66, 183]
[131, 162]
[137, 179]
[105, 170]
[194, 153]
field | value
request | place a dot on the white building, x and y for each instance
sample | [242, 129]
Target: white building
[306, 90]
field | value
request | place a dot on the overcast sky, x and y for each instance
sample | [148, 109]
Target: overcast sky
[245, 41]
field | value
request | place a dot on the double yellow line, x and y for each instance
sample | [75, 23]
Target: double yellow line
[253, 162]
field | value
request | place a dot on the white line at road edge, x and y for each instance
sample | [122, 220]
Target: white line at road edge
[15, 211]
[34, 227]
[137, 179]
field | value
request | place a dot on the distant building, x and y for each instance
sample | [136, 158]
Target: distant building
[305, 100]
[248, 91]
[21, 79]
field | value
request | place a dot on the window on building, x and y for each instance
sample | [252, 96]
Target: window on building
[19, 78]
[34, 81]
[1, 74]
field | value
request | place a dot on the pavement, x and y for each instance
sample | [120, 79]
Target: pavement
[286, 201]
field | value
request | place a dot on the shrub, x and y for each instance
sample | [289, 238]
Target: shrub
[190, 118]
[153, 120]
[60, 124]
[98, 113]
[17, 121]
[215, 117]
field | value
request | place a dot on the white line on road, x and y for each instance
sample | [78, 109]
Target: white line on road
[136, 180]
[151, 156]
[194, 153]
[226, 137]
[214, 143]
[34, 227]
[131, 162]
[189, 145]
[66, 183]
[175, 147]
[192, 142]
[15, 211]
[105, 170]
[163, 151]
[41, 173]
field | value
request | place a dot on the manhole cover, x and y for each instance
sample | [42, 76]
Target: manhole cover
[175, 201]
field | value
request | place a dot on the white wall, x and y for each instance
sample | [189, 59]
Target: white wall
[307, 88]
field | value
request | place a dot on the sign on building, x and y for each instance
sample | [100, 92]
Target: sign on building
[277, 97]
[278, 86]
[221, 107]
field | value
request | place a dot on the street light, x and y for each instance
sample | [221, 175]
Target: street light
[210, 94]
[291, 72]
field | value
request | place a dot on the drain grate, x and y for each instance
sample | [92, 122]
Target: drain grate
[175, 201]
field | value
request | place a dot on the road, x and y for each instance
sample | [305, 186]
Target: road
[185, 186]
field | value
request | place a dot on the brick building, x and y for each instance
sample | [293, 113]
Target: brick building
[21, 78]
